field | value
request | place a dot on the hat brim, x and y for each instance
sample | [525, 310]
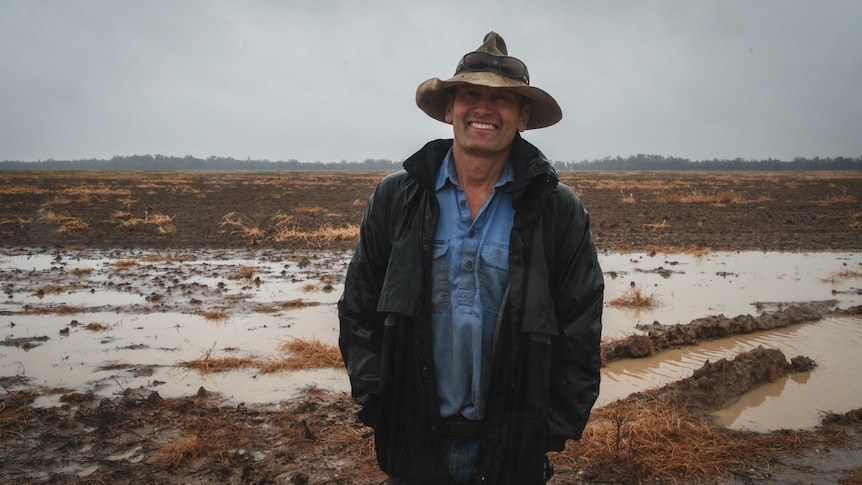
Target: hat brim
[431, 96]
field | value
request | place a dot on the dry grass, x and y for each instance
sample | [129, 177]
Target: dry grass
[209, 363]
[310, 210]
[660, 226]
[159, 219]
[651, 440]
[81, 271]
[320, 236]
[241, 225]
[244, 272]
[215, 315]
[181, 452]
[698, 251]
[839, 276]
[17, 220]
[14, 419]
[57, 201]
[297, 303]
[72, 225]
[123, 263]
[213, 439]
[304, 355]
[51, 310]
[634, 297]
[283, 219]
[655, 440]
[158, 258]
[697, 197]
[51, 289]
[96, 327]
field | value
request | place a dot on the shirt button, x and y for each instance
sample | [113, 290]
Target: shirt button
[463, 203]
[472, 233]
[469, 265]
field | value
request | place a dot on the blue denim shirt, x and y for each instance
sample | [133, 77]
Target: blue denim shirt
[470, 275]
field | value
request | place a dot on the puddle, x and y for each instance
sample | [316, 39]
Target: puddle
[151, 312]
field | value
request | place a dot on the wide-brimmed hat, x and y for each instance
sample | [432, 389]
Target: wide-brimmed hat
[431, 94]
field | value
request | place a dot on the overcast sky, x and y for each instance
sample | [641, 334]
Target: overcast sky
[323, 80]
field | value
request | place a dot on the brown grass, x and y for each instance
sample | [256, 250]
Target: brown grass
[209, 363]
[698, 251]
[297, 303]
[48, 310]
[660, 226]
[81, 271]
[310, 210]
[14, 419]
[160, 219]
[838, 199]
[304, 354]
[320, 236]
[651, 440]
[51, 289]
[245, 272]
[181, 452]
[158, 258]
[96, 327]
[634, 297]
[697, 197]
[839, 276]
[215, 315]
[241, 225]
[72, 225]
[17, 220]
[57, 201]
[123, 263]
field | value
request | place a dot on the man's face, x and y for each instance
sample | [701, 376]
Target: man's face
[485, 119]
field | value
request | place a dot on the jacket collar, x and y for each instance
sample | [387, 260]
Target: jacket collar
[533, 172]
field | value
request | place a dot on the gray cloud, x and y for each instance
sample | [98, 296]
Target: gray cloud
[332, 80]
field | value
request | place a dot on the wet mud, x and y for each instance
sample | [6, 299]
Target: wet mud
[136, 435]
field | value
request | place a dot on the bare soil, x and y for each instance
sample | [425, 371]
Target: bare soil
[661, 436]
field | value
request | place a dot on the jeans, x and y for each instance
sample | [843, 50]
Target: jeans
[460, 455]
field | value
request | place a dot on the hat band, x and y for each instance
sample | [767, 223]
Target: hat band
[506, 65]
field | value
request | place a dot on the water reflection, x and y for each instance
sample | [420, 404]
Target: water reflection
[141, 343]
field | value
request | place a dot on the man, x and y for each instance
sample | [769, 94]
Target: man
[471, 315]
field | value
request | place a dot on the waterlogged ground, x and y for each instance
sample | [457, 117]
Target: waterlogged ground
[112, 320]
[115, 284]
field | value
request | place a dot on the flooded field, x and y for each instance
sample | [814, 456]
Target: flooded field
[125, 292]
[112, 320]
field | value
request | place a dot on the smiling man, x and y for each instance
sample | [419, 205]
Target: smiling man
[470, 322]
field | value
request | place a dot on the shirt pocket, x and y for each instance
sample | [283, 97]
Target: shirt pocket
[493, 275]
[440, 277]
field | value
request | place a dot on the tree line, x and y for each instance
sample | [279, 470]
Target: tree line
[635, 163]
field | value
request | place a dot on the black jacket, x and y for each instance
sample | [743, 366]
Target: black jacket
[547, 357]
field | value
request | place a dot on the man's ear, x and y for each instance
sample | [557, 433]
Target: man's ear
[524, 116]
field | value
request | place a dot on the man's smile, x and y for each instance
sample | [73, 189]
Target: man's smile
[482, 126]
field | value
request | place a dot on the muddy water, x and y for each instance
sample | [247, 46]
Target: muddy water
[144, 337]
[688, 287]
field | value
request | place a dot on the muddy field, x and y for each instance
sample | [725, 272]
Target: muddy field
[630, 211]
[138, 436]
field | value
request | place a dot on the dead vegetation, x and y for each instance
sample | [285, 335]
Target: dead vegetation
[298, 354]
[635, 297]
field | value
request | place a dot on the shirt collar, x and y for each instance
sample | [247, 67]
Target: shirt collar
[447, 174]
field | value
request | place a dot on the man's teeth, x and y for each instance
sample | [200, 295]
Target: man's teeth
[483, 126]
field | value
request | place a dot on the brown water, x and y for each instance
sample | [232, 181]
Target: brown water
[687, 287]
